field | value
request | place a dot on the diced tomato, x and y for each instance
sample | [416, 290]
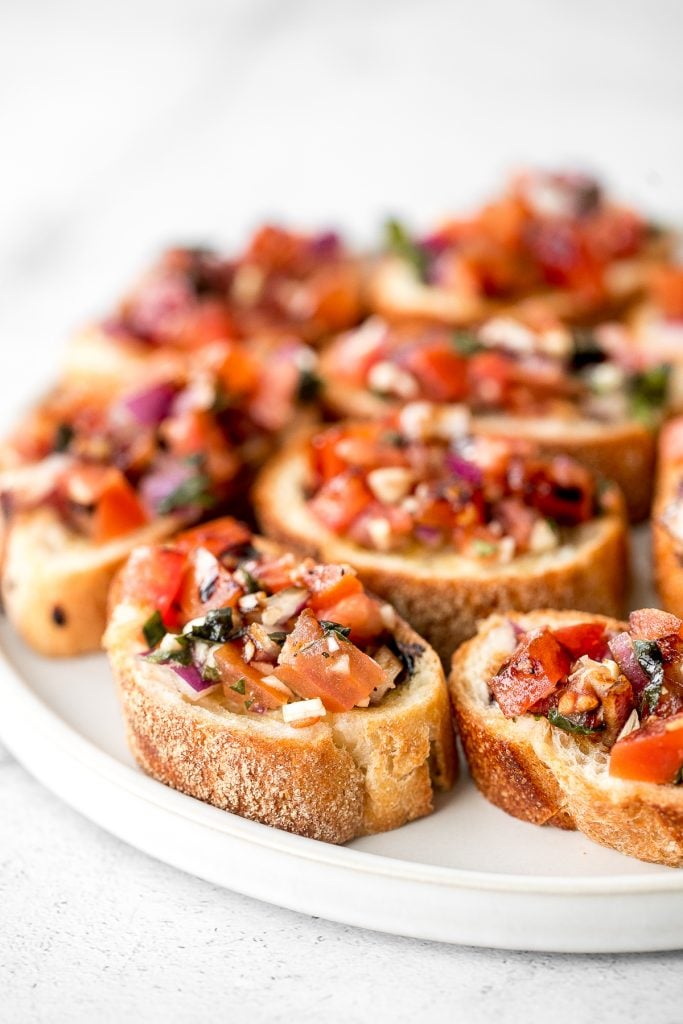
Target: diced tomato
[584, 638]
[239, 369]
[653, 753]
[360, 612]
[358, 443]
[206, 585]
[334, 296]
[352, 355]
[196, 432]
[274, 574]
[440, 370]
[274, 249]
[152, 577]
[671, 440]
[217, 536]
[534, 670]
[244, 687]
[209, 321]
[340, 500]
[667, 291]
[329, 584]
[276, 394]
[560, 489]
[490, 376]
[342, 679]
[116, 507]
[653, 624]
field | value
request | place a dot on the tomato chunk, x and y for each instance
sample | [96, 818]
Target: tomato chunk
[340, 500]
[244, 687]
[342, 678]
[118, 510]
[534, 670]
[439, 369]
[583, 638]
[653, 753]
[152, 576]
[360, 613]
[667, 291]
[206, 585]
[217, 536]
[329, 584]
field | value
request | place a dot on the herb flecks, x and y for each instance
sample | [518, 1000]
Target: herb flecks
[64, 435]
[577, 726]
[217, 627]
[399, 242]
[196, 490]
[335, 627]
[650, 660]
[240, 686]
[154, 629]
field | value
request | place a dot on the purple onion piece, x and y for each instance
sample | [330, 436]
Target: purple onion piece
[623, 653]
[191, 676]
[326, 245]
[431, 536]
[468, 471]
[151, 406]
[162, 482]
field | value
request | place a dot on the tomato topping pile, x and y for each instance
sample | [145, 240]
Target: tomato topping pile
[623, 690]
[547, 230]
[666, 289]
[536, 368]
[417, 477]
[260, 630]
[283, 281]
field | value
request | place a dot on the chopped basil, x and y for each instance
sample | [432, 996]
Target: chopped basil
[650, 660]
[196, 490]
[393, 438]
[398, 241]
[210, 674]
[648, 392]
[678, 781]
[64, 435]
[208, 588]
[252, 584]
[310, 386]
[216, 627]
[570, 724]
[409, 654]
[586, 351]
[335, 627]
[466, 342]
[278, 637]
[248, 703]
[240, 686]
[182, 655]
[154, 629]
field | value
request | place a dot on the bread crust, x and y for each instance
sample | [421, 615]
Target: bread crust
[357, 773]
[444, 597]
[621, 452]
[667, 555]
[519, 768]
[54, 584]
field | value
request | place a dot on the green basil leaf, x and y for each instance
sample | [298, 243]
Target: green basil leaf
[650, 660]
[398, 241]
[572, 725]
[196, 490]
[154, 629]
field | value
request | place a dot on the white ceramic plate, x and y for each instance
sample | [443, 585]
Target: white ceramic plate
[468, 874]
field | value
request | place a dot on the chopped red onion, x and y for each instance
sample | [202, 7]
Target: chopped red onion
[622, 650]
[326, 245]
[429, 535]
[193, 684]
[161, 482]
[468, 471]
[150, 406]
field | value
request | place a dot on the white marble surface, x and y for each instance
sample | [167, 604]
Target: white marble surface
[123, 126]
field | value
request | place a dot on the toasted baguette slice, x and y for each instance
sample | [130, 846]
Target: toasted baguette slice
[623, 452]
[353, 773]
[667, 518]
[444, 595]
[542, 774]
[95, 360]
[54, 582]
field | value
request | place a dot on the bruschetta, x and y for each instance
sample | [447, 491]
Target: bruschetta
[667, 518]
[275, 687]
[89, 475]
[576, 720]
[448, 526]
[554, 387]
[554, 237]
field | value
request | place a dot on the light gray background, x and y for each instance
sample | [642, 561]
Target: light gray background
[127, 125]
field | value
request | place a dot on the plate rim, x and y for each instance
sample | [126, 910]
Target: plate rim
[64, 738]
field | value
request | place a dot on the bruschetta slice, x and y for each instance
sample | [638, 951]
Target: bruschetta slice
[551, 237]
[275, 687]
[552, 386]
[576, 720]
[91, 474]
[448, 526]
[667, 518]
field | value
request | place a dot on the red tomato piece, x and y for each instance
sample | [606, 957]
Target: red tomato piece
[275, 573]
[206, 585]
[653, 624]
[667, 291]
[329, 584]
[217, 536]
[244, 687]
[340, 500]
[440, 370]
[534, 670]
[342, 679]
[152, 577]
[653, 753]
[584, 638]
[360, 613]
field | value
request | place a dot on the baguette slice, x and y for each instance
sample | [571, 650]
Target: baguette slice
[444, 595]
[55, 583]
[667, 518]
[541, 774]
[353, 773]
